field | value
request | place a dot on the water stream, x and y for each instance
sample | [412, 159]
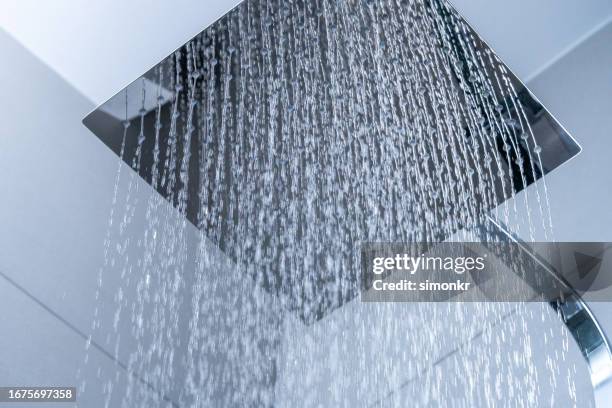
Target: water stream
[309, 127]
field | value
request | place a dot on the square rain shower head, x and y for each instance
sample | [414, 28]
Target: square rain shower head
[239, 127]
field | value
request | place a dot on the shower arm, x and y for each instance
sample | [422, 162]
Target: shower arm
[576, 316]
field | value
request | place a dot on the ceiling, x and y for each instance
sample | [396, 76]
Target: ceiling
[101, 47]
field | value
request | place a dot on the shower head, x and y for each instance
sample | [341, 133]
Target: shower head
[161, 120]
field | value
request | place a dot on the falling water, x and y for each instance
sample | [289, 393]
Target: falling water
[309, 127]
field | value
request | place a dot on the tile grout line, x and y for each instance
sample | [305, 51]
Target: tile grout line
[81, 334]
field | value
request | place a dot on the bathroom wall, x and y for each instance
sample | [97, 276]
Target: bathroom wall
[51, 237]
[57, 183]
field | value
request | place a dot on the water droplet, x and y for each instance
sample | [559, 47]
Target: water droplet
[511, 122]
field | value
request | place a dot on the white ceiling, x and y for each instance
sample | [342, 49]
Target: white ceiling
[101, 46]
